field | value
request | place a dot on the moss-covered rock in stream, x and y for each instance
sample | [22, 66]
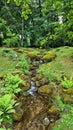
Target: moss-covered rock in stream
[49, 56]
[39, 76]
[54, 110]
[26, 86]
[42, 82]
[45, 89]
[34, 56]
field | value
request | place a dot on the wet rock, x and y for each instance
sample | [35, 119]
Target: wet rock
[39, 76]
[45, 89]
[36, 64]
[33, 79]
[54, 110]
[67, 99]
[43, 81]
[37, 83]
[18, 115]
[46, 121]
[26, 85]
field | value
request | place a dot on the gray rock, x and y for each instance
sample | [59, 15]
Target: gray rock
[46, 121]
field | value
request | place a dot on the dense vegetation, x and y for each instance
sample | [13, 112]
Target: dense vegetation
[36, 23]
[36, 44]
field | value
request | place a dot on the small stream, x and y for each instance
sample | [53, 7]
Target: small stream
[35, 107]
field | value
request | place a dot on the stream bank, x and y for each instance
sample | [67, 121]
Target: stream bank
[36, 108]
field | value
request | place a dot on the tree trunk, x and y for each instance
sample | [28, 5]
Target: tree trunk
[40, 7]
[22, 34]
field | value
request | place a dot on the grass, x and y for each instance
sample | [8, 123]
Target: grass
[6, 65]
[62, 65]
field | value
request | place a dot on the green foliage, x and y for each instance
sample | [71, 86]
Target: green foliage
[61, 105]
[43, 25]
[25, 7]
[12, 39]
[66, 122]
[24, 63]
[49, 72]
[67, 83]
[12, 83]
[6, 108]
[2, 25]
[5, 129]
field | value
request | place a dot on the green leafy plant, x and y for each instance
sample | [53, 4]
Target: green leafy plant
[8, 52]
[12, 83]
[12, 39]
[24, 63]
[61, 105]
[5, 128]
[66, 120]
[67, 83]
[7, 105]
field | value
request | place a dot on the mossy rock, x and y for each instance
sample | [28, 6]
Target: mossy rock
[43, 81]
[18, 115]
[1, 76]
[26, 85]
[33, 56]
[69, 91]
[49, 56]
[39, 76]
[45, 89]
[54, 110]
[36, 64]
[16, 72]
[67, 99]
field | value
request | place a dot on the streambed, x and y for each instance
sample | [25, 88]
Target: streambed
[36, 115]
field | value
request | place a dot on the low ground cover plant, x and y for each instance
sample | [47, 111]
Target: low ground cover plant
[12, 83]
[7, 105]
[24, 63]
[66, 120]
[67, 83]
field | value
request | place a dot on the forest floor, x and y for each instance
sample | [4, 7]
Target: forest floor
[46, 68]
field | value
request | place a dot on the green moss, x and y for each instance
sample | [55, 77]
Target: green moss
[49, 56]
